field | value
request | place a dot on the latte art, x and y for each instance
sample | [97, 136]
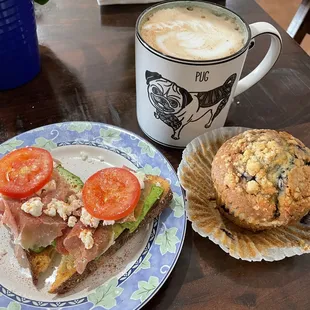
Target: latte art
[197, 34]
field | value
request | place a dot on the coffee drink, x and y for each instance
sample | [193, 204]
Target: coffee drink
[189, 57]
[193, 32]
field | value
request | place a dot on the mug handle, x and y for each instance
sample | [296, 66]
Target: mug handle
[269, 60]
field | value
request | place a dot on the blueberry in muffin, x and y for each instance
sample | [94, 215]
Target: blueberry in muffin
[262, 179]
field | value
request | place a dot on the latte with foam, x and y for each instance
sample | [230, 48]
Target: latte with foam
[194, 32]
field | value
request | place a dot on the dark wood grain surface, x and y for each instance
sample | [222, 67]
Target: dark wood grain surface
[88, 74]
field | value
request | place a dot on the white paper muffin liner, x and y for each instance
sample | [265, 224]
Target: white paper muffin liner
[195, 176]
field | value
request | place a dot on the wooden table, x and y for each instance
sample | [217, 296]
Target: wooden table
[88, 74]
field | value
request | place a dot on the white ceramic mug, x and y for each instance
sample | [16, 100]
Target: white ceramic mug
[206, 88]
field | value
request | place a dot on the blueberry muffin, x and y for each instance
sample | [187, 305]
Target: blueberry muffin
[262, 179]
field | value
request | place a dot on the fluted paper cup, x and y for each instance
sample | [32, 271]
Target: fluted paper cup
[195, 176]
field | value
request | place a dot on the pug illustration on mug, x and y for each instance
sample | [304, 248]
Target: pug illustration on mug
[177, 107]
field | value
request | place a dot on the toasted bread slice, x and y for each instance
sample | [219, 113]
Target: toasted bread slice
[39, 262]
[67, 276]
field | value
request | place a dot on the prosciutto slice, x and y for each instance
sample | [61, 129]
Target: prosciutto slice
[21, 256]
[62, 191]
[103, 238]
[7, 215]
[60, 248]
[29, 231]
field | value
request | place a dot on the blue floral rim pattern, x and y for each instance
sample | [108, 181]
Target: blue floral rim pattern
[140, 283]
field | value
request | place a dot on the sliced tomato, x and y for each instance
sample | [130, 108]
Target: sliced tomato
[25, 171]
[111, 193]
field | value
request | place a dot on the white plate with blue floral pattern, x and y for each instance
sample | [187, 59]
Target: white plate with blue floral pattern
[137, 271]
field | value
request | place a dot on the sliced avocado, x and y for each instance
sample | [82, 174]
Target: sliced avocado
[149, 201]
[38, 250]
[42, 248]
[74, 181]
[117, 229]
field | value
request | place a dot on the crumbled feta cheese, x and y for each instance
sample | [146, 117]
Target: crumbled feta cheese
[89, 220]
[84, 155]
[75, 202]
[140, 176]
[87, 238]
[158, 184]
[33, 206]
[106, 223]
[72, 220]
[50, 210]
[50, 186]
[71, 198]
[63, 209]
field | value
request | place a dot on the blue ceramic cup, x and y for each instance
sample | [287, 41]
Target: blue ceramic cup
[19, 49]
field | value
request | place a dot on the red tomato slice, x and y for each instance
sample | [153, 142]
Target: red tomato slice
[25, 171]
[111, 193]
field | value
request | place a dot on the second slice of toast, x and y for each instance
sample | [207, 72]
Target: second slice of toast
[67, 276]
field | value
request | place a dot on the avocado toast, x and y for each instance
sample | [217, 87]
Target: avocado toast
[24, 206]
[49, 211]
[155, 196]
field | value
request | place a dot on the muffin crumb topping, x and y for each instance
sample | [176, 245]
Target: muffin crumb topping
[263, 176]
